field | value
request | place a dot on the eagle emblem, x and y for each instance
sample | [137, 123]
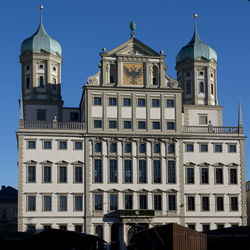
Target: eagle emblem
[133, 73]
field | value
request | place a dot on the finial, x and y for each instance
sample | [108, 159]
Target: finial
[161, 52]
[41, 7]
[195, 15]
[132, 28]
[104, 50]
[41, 14]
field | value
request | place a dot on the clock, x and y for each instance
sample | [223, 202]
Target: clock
[133, 74]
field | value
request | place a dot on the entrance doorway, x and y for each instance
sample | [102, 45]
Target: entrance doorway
[135, 228]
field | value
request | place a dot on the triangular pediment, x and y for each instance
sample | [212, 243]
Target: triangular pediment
[46, 162]
[133, 47]
[98, 190]
[77, 163]
[62, 162]
[30, 162]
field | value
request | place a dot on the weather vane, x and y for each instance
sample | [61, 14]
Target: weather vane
[132, 28]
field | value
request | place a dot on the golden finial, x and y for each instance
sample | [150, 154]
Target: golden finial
[195, 15]
[41, 7]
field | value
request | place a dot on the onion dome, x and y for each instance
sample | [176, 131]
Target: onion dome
[196, 49]
[41, 41]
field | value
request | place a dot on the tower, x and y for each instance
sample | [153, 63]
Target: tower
[41, 62]
[196, 72]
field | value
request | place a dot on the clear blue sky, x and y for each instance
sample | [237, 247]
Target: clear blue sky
[83, 28]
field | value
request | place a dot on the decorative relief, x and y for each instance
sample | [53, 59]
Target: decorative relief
[133, 74]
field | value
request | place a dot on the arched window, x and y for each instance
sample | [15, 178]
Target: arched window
[155, 75]
[112, 73]
[99, 231]
[41, 82]
[27, 83]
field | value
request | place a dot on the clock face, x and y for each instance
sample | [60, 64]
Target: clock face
[133, 74]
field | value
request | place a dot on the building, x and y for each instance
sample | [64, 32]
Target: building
[8, 209]
[127, 160]
[248, 201]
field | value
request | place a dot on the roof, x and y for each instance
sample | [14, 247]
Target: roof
[8, 195]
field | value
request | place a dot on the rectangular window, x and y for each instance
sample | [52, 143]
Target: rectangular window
[113, 124]
[62, 145]
[78, 174]
[157, 171]
[170, 126]
[98, 202]
[205, 203]
[171, 202]
[156, 125]
[171, 148]
[127, 148]
[112, 101]
[171, 172]
[191, 226]
[205, 227]
[189, 147]
[155, 103]
[218, 148]
[219, 203]
[63, 203]
[31, 229]
[157, 202]
[62, 174]
[142, 171]
[141, 125]
[188, 87]
[47, 174]
[232, 148]
[233, 175]
[143, 201]
[202, 87]
[31, 206]
[204, 176]
[113, 172]
[41, 115]
[97, 124]
[98, 147]
[47, 145]
[63, 227]
[190, 175]
[127, 102]
[78, 203]
[31, 174]
[220, 226]
[203, 120]
[157, 148]
[141, 102]
[113, 202]
[142, 148]
[98, 170]
[97, 101]
[31, 144]
[204, 148]
[113, 147]
[127, 125]
[128, 174]
[170, 103]
[128, 201]
[78, 228]
[234, 203]
[191, 203]
[219, 176]
[78, 145]
[47, 203]
[74, 117]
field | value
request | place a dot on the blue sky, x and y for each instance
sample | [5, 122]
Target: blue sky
[83, 28]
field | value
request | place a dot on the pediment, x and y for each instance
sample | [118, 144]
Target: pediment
[204, 164]
[62, 162]
[46, 162]
[189, 164]
[133, 47]
[171, 191]
[98, 190]
[113, 190]
[77, 163]
[142, 191]
[157, 191]
[218, 164]
[127, 190]
[30, 162]
[232, 164]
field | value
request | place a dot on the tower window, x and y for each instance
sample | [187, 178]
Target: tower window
[41, 115]
[27, 83]
[41, 82]
[188, 74]
[201, 87]
[28, 68]
[201, 73]
[212, 89]
[54, 68]
[188, 87]
[41, 66]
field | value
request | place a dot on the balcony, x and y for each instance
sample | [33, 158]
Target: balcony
[212, 130]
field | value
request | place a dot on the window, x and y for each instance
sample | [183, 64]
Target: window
[191, 226]
[62, 174]
[232, 148]
[78, 228]
[47, 174]
[98, 170]
[31, 229]
[220, 226]
[157, 202]
[157, 171]
[205, 227]
[99, 230]
[233, 175]
[112, 124]
[218, 148]
[63, 227]
[54, 68]
[188, 87]
[219, 176]
[113, 147]
[170, 103]
[202, 87]
[127, 148]
[63, 203]
[31, 206]
[78, 145]
[98, 202]
[170, 126]
[157, 148]
[128, 201]
[78, 203]
[27, 67]
[234, 203]
[98, 147]
[156, 125]
[41, 115]
[142, 148]
[141, 102]
[141, 125]
[27, 83]
[97, 101]
[204, 176]
[203, 120]
[155, 75]
[205, 203]
[113, 172]
[212, 89]
[113, 202]
[4, 214]
[128, 174]
[41, 82]
[171, 172]
[112, 101]
[46, 227]
[97, 124]
[191, 203]
[41, 66]
[74, 117]
[47, 145]
[189, 147]
[142, 171]
[171, 148]
[143, 201]
[171, 202]
[78, 174]
[112, 73]
[47, 203]
[155, 103]
[63, 145]
[31, 174]
[127, 125]
[127, 102]
[190, 175]
[204, 148]
[219, 203]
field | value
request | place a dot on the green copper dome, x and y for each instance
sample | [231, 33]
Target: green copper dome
[195, 49]
[41, 40]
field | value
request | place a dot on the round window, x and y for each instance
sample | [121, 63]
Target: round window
[41, 66]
